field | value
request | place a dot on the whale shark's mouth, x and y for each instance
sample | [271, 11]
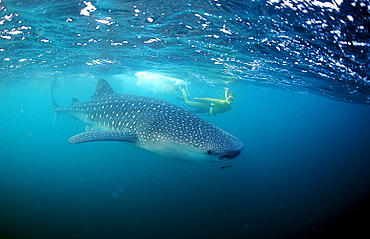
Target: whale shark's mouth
[230, 156]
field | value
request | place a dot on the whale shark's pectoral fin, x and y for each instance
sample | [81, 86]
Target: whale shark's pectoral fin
[103, 135]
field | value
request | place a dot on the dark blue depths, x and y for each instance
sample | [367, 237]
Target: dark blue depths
[305, 165]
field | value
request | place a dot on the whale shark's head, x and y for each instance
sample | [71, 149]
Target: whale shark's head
[190, 153]
[226, 148]
[206, 143]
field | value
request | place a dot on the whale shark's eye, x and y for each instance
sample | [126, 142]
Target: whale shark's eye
[209, 152]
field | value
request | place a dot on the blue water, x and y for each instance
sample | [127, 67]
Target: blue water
[300, 73]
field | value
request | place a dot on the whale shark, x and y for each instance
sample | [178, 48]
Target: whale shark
[152, 124]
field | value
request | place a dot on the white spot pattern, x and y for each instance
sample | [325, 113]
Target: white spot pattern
[152, 121]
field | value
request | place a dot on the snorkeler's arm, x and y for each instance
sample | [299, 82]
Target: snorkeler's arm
[211, 100]
[226, 92]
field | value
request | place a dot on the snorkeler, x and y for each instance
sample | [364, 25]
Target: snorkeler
[210, 105]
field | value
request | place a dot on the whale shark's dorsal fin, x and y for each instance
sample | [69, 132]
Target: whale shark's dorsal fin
[74, 101]
[103, 89]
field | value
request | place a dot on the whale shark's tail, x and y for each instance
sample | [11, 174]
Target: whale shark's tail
[55, 105]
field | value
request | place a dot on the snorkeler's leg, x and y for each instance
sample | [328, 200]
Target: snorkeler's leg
[192, 103]
[184, 95]
[211, 109]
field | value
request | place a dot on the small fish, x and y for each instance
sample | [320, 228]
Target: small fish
[228, 166]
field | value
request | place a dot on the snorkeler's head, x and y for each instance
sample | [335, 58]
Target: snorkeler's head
[230, 98]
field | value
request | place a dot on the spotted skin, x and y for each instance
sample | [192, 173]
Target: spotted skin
[152, 124]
